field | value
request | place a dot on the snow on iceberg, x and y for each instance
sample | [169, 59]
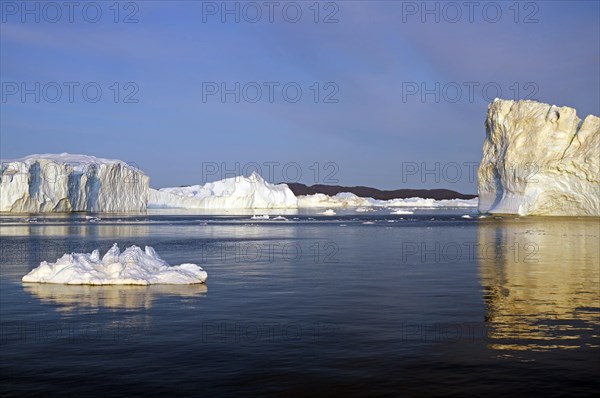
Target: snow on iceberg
[65, 182]
[251, 192]
[539, 159]
[132, 267]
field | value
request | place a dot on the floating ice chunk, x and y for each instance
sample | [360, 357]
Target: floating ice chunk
[329, 212]
[466, 216]
[260, 217]
[280, 218]
[132, 267]
[400, 211]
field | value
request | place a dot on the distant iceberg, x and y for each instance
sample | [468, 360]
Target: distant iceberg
[251, 192]
[132, 267]
[347, 199]
[65, 182]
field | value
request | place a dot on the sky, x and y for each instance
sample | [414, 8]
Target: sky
[376, 93]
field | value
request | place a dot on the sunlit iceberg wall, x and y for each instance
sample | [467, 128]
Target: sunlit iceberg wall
[64, 183]
[539, 159]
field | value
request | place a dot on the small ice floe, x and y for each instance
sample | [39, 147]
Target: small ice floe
[33, 219]
[363, 209]
[328, 212]
[280, 218]
[259, 217]
[92, 219]
[132, 267]
[466, 216]
[369, 222]
[400, 211]
[343, 225]
[482, 217]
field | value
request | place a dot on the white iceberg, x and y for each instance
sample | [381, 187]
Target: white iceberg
[539, 159]
[347, 199]
[342, 199]
[132, 267]
[400, 211]
[251, 192]
[65, 182]
[329, 212]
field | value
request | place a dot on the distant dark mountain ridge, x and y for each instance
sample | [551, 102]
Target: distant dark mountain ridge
[438, 194]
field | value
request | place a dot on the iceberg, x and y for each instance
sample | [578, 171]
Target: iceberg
[251, 192]
[347, 199]
[65, 182]
[539, 159]
[132, 267]
[342, 199]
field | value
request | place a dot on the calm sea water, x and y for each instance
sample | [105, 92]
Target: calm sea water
[357, 304]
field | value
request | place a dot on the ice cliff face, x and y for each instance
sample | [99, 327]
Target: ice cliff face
[62, 183]
[251, 192]
[539, 159]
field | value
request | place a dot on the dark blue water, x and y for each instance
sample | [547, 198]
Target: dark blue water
[404, 305]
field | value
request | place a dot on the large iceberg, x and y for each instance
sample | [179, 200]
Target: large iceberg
[65, 182]
[241, 192]
[132, 267]
[539, 159]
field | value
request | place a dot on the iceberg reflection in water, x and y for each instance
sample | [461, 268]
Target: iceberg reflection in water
[72, 298]
[541, 288]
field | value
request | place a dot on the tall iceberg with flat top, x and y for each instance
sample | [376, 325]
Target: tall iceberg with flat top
[539, 159]
[65, 182]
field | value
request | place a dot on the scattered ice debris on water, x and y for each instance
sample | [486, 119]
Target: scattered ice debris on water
[328, 212]
[92, 219]
[132, 267]
[260, 217]
[33, 219]
[368, 222]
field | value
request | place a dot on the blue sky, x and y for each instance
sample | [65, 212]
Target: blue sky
[375, 132]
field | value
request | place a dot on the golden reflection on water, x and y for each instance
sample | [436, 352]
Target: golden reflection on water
[92, 298]
[541, 282]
